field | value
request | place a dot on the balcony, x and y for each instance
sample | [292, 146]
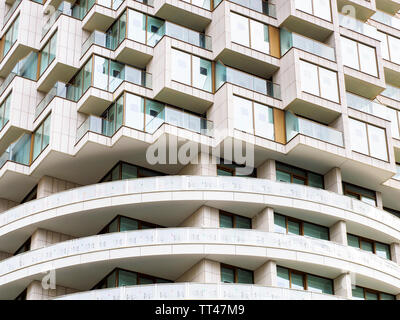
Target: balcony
[386, 19]
[89, 91]
[60, 90]
[194, 14]
[391, 92]
[226, 74]
[397, 176]
[293, 40]
[18, 152]
[150, 124]
[310, 18]
[10, 12]
[97, 14]
[391, 6]
[261, 6]
[367, 106]
[245, 43]
[296, 125]
[346, 21]
[363, 9]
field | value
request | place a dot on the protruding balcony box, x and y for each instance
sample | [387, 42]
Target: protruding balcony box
[362, 9]
[101, 91]
[15, 179]
[98, 14]
[324, 105]
[391, 6]
[256, 56]
[176, 93]
[66, 61]
[26, 38]
[20, 95]
[360, 82]
[304, 17]
[194, 14]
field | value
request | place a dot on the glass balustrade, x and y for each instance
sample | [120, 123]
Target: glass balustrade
[261, 6]
[180, 119]
[386, 19]
[290, 40]
[65, 8]
[60, 89]
[18, 152]
[391, 92]
[296, 125]
[351, 23]
[107, 40]
[26, 68]
[152, 121]
[367, 106]
[226, 74]
[10, 12]
[397, 176]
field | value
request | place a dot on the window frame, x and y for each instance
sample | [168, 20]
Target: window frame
[378, 293]
[294, 175]
[40, 126]
[120, 163]
[235, 272]
[233, 216]
[118, 217]
[373, 242]
[26, 246]
[49, 41]
[358, 195]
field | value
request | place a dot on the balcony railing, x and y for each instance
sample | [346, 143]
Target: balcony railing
[358, 26]
[397, 176]
[261, 6]
[18, 151]
[226, 74]
[386, 19]
[65, 8]
[367, 106]
[296, 125]
[170, 29]
[85, 6]
[169, 115]
[26, 67]
[10, 12]
[391, 92]
[290, 40]
[180, 119]
[60, 89]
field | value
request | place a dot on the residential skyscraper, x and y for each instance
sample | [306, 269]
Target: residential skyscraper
[200, 149]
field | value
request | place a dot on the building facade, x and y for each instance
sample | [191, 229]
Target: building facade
[200, 149]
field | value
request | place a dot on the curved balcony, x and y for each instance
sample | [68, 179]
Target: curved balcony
[248, 248]
[197, 291]
[84, 211]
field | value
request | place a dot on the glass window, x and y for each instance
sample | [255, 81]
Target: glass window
[349, 53]
[279, 223]
[384, 45]
[315, 231]
[225, 221]
[11, 36]
[367, 246]
[283, 277]
[129, 172]
[358, 136]
[263, 121]
[353, 241]
[382, 250]
[394, 45]
[201, 70]
[377, 142]
[100, 76]
[136, 26]
[368, 60]
[134, 111]
[259, 36]
[293, 227]
[41, 138]
[358, 293]
[154, 32]
[240, 29]
[227, 275]
[309, 78]
[322, 9]
[243, 115]
[244, 276]
[48, 53]
[328, 84]
[181, 70]
[320, 285]
[365, 195]
[242, 222]
[126, 278]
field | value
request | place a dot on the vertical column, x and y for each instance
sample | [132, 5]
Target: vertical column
[333, 180]
[205, 271]
[266, 275]
[49, 185]
[395, 252]
[267, 170]
[342, 286]
[43, 238]
[264, 221]
[206, 166]
[379, 202]
[6, 204]
[35, 291]
[338, 232]
[204, 217]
